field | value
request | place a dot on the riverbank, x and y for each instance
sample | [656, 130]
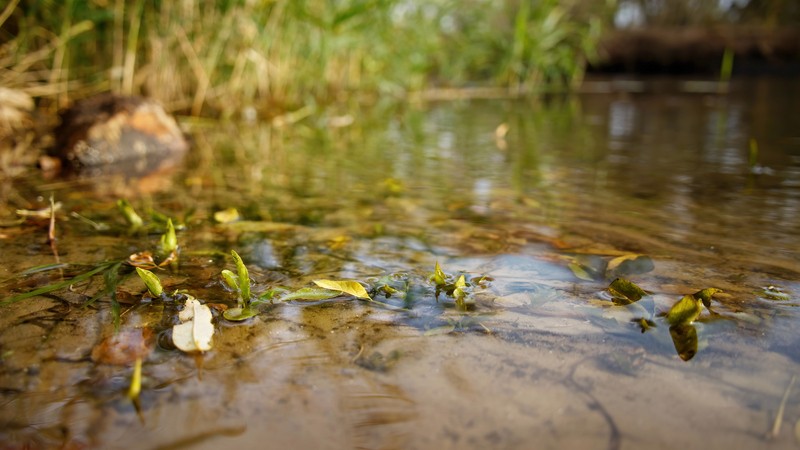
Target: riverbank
[755, 50]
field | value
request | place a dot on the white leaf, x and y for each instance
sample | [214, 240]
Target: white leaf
[195, 333]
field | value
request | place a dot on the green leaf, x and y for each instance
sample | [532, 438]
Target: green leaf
[580, 271]
[169, 241]
[230, 279]
[244, 278]
[350, 287]
[56, 286]
[133, 219]
[625, 292]
[311, 294]
[460, 289]
[151, 281]
[239, 314]
[269, 295]
[705, 295]
[685, 311]
[438, 277]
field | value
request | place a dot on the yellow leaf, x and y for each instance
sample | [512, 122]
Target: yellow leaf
[349, 287]
[227, 215]
[195, 331]
[136, 380]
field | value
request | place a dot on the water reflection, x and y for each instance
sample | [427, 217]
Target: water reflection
[540, 355]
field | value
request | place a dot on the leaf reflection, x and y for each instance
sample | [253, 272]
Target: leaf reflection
[684, 337]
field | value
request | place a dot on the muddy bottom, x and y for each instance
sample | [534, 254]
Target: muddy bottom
[539, 205]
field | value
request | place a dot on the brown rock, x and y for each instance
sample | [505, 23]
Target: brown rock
[110, 130]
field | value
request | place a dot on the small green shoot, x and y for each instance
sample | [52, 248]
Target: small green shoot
[460, 291]
[129, 213]
[244, 279]
[438, 277]
[685, 311]
[231, 280]
[169, 241]
[151, 281]
[705, 295]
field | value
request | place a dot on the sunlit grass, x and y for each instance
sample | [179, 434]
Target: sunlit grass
[236, 56]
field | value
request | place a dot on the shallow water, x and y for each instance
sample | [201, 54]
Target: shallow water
[540, 358]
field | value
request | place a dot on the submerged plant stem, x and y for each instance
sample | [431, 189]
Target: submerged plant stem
[776, 427]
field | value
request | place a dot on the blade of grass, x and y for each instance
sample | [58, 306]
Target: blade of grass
[55, 286]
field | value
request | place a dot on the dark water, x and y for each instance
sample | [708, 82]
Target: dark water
[540, 358]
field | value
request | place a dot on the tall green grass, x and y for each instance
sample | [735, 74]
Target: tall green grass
[226, 56]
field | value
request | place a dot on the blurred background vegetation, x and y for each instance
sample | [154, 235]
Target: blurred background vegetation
[220, 58]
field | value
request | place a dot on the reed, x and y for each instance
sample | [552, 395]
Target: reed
[224, 57]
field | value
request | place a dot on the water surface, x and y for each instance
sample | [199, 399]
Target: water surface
[539, 359]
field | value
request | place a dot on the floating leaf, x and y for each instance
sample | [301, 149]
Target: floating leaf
[244, 278]
[230, 279]
[195, 331]
[227, 215]
[151, 281]
[580, 271]
[270, 294]
[684, 338]
[705, 295]
[629, 265]
[685, 311]
[239, 314]
[625, 292]
[588, 267]
[311, 294]
[349, 287]
[775, 293]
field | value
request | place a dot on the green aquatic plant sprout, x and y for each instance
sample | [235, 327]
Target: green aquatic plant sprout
[151, 281]
[129, 213]
[240, 283]
[244, 279]
[438, 277]
[688, 308]
[169, 241]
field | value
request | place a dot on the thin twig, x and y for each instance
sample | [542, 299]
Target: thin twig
[51, 231]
